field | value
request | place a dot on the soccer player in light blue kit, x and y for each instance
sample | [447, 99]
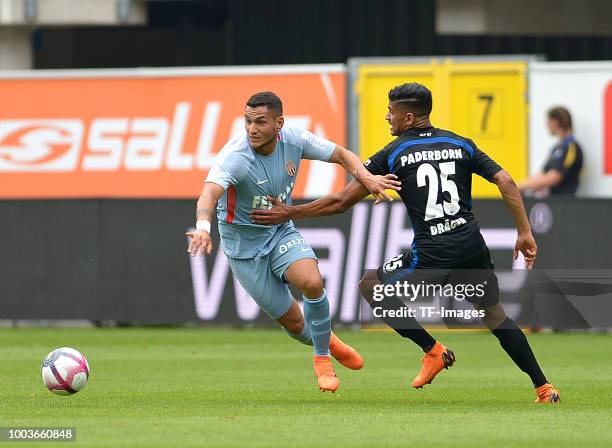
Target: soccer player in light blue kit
[249, 171]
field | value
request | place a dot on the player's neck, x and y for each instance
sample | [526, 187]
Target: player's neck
[421, 123]
[564, 134]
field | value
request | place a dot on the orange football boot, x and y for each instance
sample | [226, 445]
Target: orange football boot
[438, 358]
[547, 394]
[344, 353]
[326, 377]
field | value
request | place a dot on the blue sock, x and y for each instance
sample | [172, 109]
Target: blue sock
[316, 314]
[304, 336]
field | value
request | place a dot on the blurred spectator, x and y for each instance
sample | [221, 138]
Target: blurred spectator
[562, 170]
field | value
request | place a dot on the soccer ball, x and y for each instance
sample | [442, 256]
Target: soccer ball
[65, 371]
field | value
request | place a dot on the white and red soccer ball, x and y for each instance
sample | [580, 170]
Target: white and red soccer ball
[65, 371]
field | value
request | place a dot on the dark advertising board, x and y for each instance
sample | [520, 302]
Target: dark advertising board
[127, 261]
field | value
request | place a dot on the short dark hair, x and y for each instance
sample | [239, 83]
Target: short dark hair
[562, 115]
[415, 96]
[268, 99]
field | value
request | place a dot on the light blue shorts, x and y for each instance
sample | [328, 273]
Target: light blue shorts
[263, 277]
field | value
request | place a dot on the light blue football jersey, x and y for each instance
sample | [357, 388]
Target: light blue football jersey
[248, 177]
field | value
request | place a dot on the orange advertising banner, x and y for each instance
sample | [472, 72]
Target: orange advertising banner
[151, 133]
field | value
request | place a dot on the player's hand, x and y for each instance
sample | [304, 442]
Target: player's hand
[377, 185]
[200, 243]
[277, 214]
[527, 246]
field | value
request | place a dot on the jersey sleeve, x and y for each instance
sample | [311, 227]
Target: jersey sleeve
[313, 147]
[483, 165]
[563, 158]
[377, 163]
[231, 166]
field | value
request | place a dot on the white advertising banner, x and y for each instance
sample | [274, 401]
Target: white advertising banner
[585, 89]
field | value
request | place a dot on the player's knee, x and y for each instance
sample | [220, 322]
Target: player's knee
[494, 316]
[365, 290]
[312, 287]
[366, 287]
[294, 325]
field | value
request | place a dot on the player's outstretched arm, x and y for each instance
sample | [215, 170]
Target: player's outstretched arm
[525, 243]
[328, 205]
[376, 185]
[201, 242]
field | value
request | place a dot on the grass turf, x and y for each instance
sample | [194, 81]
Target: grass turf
[237, 388]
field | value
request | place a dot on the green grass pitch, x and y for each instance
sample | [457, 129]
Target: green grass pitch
[238, 388]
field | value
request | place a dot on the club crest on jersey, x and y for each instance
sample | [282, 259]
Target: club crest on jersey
[290, 168]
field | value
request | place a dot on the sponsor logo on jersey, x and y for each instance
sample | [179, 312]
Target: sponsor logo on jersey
[291, 244]
[261, 202]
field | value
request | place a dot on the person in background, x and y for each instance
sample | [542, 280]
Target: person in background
[561, 172]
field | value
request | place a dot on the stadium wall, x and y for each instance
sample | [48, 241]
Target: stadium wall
[126, 260]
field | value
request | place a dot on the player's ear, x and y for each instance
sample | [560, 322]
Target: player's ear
[410, 120]
[280, 121]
